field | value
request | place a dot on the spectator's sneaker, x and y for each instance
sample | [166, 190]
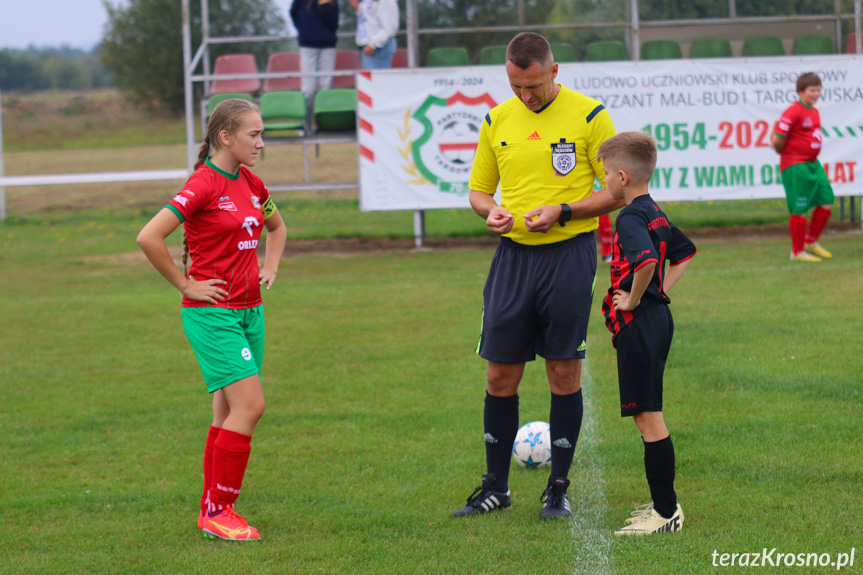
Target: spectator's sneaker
[638, 512]
[653, 522]
[554, 499]
[229, 525]
[816, 250]
[484, 499]
[804, 257]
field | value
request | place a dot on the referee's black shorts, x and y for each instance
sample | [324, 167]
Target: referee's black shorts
[537, 300]
[642, 349]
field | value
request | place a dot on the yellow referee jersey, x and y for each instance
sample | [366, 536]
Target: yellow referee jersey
[541, 159]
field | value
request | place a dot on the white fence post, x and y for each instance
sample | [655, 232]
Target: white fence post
[2, 189]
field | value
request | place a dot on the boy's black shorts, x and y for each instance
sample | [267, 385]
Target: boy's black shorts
[537, 301]
[642, 348]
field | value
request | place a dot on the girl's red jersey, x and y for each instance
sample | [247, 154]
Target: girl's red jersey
[223, 218]
[801, 128]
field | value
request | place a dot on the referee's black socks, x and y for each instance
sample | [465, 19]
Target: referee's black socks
[500, 423]
[659, 469]
[564, 423]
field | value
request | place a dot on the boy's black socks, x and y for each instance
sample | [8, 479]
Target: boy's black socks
[659, 469]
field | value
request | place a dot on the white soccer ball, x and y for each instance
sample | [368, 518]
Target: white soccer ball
[532, 447]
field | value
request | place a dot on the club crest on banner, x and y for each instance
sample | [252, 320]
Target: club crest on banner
[444, 152]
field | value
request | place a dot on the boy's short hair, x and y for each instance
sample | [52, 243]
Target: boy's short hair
[635, 152]
[528, 47]
[806, 80]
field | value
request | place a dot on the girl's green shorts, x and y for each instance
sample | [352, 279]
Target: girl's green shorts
[229, 343]
[806, 186]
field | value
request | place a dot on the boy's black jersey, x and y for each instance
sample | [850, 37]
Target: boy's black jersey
[643, 234]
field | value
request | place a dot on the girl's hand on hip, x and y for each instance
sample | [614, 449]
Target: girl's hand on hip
[266, 276]
[207, 291]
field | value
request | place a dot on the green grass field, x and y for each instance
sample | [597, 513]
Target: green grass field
[373, 429]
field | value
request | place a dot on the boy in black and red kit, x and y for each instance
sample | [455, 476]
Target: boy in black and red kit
[636, 311]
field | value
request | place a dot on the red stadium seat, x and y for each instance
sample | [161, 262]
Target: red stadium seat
[850, 47]
[282, 62]
[346, 60]
[400, 58]
[235, 64]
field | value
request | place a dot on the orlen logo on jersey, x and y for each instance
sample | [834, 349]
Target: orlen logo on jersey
[247, 225]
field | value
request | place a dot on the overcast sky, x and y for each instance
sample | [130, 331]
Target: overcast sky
[52, 23]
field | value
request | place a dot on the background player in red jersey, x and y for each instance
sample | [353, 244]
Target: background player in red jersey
[223, 208]
[636, 311]
[606, 235]
[798, 140]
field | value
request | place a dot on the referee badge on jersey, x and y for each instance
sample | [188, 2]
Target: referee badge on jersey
[563, 157]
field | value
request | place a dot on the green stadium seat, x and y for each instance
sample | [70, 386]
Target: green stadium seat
[209, 103]
[605, 52]
[493, 55]
[217, 99]
[441, 57]
[710, 48]
[661, 50]
[763, 46]
[335, 110]
[813, 44]
[562, 52]
[283, 110]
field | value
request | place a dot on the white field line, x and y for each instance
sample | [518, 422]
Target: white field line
[591, 541]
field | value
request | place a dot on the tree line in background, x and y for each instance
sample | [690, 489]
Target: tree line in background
[52, 69]
[141, 51]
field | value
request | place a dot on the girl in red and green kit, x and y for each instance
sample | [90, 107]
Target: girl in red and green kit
[223, 208]
[797, 139]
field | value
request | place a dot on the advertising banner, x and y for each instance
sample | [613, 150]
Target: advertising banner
[712, 119]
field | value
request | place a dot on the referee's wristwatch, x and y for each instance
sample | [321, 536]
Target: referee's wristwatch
[565, 214]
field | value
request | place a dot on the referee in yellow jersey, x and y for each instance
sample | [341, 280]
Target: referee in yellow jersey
[541, 147]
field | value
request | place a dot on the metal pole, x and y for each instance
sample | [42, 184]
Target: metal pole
[634, 31]
[858, 47]
[2, 189]
[191, 156]
[838, 12]
[205, 40]
[419, 228]
[412, 24]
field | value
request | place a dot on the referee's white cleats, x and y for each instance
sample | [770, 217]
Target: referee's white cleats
[653, 522]
[816, 250]
[484, 499]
